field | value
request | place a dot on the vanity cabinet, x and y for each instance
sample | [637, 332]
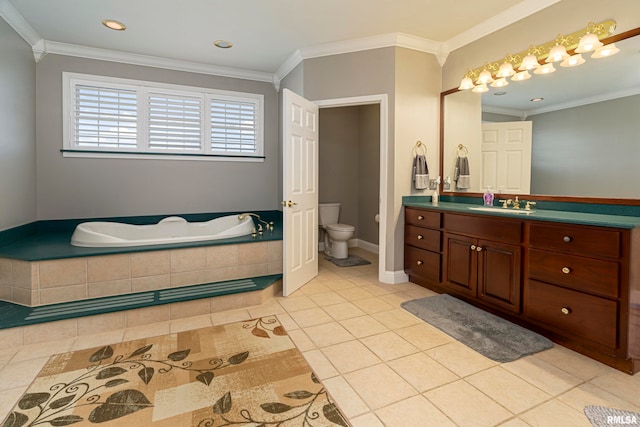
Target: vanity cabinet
[577, 284]
[573, 283]
[423, 246]
[480, 267]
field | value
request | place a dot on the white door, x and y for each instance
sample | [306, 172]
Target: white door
[506, 157]
[300, 192]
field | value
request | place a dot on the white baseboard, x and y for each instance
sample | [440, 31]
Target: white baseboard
[393, 277]
[355, 243]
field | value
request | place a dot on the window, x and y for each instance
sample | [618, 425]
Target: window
[108, 117]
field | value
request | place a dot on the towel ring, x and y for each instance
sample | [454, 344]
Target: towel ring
[420, 148]
[463, 149]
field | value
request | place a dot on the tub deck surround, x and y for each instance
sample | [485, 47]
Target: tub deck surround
[47, 240]
[45, 268]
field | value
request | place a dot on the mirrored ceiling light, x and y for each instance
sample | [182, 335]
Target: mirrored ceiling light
[481, 88]
[557, 53]
[501, 82]
[573, 61]
[545, 69]
[587, 43]
[521, 76]
[605, 51]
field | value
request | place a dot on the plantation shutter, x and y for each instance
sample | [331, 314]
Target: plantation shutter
[175, 122]
[234, 126]
[104, 117]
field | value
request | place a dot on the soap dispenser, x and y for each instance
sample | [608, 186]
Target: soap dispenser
[488, 197]
[434, 197]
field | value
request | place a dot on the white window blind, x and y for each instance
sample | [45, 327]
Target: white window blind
[175, 122]
[233, 126]
[112, 117]
[105, 117]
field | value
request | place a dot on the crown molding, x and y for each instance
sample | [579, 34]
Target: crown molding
[154, 61]
[497, 22]
[288, 65]
[18, 23]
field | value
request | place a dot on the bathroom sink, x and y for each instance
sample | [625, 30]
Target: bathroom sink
[501, 210]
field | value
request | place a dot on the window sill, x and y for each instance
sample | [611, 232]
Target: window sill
[95, 154]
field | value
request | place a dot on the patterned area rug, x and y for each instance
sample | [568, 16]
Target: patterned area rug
[247, 373]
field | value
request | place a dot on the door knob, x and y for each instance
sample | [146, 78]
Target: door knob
[479, 248]
[473, 247]
[419, 262]
[566, 270]
[420, 237]
[288, 203]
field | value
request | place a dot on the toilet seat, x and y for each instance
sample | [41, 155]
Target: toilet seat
[340, 227]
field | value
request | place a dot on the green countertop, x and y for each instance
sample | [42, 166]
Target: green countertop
[597, 219]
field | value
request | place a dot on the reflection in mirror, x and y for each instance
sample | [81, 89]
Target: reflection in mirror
[583, 133]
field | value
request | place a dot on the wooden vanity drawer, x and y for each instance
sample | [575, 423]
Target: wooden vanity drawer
[422, 218]
[586, 274]
[572, 312]
[424, 238]
[497, 229]
[422, 264]
[578, 240]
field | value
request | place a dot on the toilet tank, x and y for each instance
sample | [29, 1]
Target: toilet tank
[328, 213]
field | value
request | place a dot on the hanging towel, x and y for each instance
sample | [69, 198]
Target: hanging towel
[461, 175]
[420, 173]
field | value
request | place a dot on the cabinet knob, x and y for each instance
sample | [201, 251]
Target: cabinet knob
[566, 239]
[473, 247]
[419, 262]
[479, 248]
[420, 237]
[420, 217]
[565, 310]
[566, 270]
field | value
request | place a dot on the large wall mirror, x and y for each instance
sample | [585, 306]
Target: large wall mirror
[583, 131]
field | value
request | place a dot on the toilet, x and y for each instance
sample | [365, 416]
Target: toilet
[336, 235]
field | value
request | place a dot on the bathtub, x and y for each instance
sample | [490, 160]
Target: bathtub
[173, 229]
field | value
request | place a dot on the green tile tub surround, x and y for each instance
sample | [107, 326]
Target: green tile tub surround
[603, 215]
[46, 240]
[14, 315]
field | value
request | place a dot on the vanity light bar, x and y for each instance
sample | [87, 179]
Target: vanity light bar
[541, 52]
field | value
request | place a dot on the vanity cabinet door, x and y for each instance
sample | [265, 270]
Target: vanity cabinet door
[499, 274]
[461, 264]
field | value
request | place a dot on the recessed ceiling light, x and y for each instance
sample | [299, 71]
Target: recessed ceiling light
[114, 25]
[536, 99]
[223, 44]
[500, 93]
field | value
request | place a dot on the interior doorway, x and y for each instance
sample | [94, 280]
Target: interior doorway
[381, 102]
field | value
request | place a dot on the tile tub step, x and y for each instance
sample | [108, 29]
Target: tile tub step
[14, 315]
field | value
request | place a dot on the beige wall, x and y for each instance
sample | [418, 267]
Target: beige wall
[369, 176]
[83, 187]
[417, 109]
[17, 135]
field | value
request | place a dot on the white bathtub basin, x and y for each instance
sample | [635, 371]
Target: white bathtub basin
[501, 210]
[174, 229]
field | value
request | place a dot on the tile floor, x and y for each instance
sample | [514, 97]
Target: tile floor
[385, 367]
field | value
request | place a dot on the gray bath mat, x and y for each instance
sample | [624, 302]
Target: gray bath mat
[350, 261]
[600, 416]
[489, 335]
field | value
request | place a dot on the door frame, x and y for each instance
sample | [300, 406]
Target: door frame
[382, 101]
